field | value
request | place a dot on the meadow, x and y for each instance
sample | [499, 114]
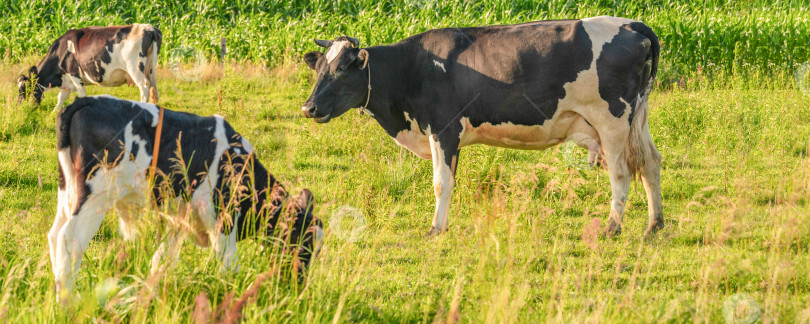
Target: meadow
[730, 118]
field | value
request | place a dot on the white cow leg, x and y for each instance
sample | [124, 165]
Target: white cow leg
[72, 240]
[126, 221]
[225, 248]
[62, 216]
[443, 182]
[168, 253]
[651, 177]
[144, 93]
[64, 93]
[78, 84]
[141, 81]
[620, 184]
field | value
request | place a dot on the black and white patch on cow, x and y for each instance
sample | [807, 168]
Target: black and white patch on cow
[219, 195]
[525, 86]
[105, 56]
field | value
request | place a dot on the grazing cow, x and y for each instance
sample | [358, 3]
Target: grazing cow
[207, 175]
[106, 56]
[525, 86]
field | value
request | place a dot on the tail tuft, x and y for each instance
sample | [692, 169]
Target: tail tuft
[640, 149]
[152, 40]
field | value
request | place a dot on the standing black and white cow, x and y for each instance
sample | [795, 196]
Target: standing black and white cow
[525, 86]
[206, 173]
[105, 56]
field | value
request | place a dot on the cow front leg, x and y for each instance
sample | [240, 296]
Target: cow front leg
[168, 252]
[64, 93]
[78, 84]
[225, 249]
[444, 153]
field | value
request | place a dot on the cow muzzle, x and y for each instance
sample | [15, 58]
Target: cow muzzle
[311, 111]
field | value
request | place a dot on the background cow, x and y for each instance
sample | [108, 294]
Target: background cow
[106, 56]
[207, 173]
[526, 86]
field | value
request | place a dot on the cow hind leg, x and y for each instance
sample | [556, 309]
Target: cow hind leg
[141, 81]
[646, 160]
[62, 216]
[620, 177]
[71, 241]
[651, 177]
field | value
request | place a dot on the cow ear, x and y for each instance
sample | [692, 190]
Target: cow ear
[32, 71]
[362, 56]
[68, 64]
[323, 43]
[312, 58]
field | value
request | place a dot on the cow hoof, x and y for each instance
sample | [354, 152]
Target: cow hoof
[613, 229]
[434, 231]
[63, 297]
[653, 228]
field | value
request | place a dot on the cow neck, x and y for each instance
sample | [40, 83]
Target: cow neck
[387, 108]
[46, 78]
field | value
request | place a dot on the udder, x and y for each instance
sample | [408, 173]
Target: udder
[117, 78]
[586, 137]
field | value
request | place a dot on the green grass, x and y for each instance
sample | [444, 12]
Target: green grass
[521, 245]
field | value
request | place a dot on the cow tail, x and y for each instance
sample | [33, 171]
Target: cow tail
[640, 150]
[63, 123]
[64, 158]
[152, 40]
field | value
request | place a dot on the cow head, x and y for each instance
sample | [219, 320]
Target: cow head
[342, 79]
[27, 85]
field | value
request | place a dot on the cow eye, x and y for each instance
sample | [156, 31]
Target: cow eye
[339, 69]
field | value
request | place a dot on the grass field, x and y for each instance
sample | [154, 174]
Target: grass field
[728, 116]
[522, 245]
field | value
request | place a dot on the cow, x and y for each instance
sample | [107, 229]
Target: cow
[105, 56]
[526, 86]
[206, 175]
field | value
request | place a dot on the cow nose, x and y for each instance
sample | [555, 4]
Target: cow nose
[308, 109]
